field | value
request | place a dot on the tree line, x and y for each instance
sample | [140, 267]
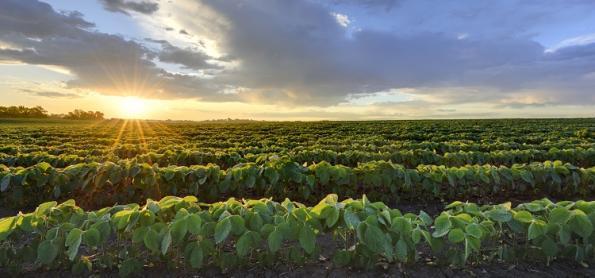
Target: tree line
[40, 112]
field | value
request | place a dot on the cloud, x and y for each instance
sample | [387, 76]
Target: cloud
[34, 19]
[575, 41]
[109, 64]
[299, 53]
[123, 6]
[189, 58]
[50, 94]
[342, 19]
[296, 53]
[385, 4]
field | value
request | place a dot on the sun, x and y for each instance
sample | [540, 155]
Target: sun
[133, 107]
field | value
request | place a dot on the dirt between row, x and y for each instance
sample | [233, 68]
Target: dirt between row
[325, 269]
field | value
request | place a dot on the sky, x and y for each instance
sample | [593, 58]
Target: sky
[300, 59]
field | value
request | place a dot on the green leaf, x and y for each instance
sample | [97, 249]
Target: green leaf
[402, 225]
[456, 235]
[274, 240]
[385, 218]
[194, 223]
[581, 224]
[44, 208]
[499, 215]
[462, 219]
[523, 216]
[179, 229]
[47, 252]
[351, 219]
[52, 233]
[238, 225]
[5, 182]
[332, 216]
[527, 176]
[434, 243]
[442, 225]
[402, 250]
[425, 218]
[559, 215]
[454, 204]
[416, 235]
[307, 239]
[130, 266]
[166, 242]
[471, 244]
[151, 240]
[549, 247]
[222, 230]
[272, 175]
[474, 230]
[536, 229]
[196, 257]
[91, 237]
[254, 221]
[27, 224]
[139, 234]
[121, 218]
[73, 241]
[378, 241]
[534, 206]
[7, 226]
[565, 234]
[342, 258]
[244, 243]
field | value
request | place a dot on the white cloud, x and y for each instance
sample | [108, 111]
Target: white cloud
[575, 41]
[342, 19]
[393, 95]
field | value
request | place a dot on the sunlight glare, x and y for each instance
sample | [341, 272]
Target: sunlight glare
[132, 107]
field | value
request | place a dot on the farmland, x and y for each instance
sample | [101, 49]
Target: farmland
[123, 195]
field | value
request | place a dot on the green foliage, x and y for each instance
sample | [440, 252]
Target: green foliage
[387, 180]
[66, 236]
[127, 162]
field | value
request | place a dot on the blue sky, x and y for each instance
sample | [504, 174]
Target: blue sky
[306, 60]
[105, 21]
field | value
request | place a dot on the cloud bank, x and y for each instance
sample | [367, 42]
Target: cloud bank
[317, 53]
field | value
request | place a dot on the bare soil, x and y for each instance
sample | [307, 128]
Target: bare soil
[325, 269]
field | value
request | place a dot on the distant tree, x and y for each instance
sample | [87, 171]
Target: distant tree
[22, 112]
[40, 112]
[79, 114]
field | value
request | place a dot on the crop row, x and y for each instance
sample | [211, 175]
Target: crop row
[182, 233]
[99, 184]
[408, 158]
[127, 150]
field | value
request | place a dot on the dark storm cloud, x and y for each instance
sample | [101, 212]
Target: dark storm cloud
[123, 6]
